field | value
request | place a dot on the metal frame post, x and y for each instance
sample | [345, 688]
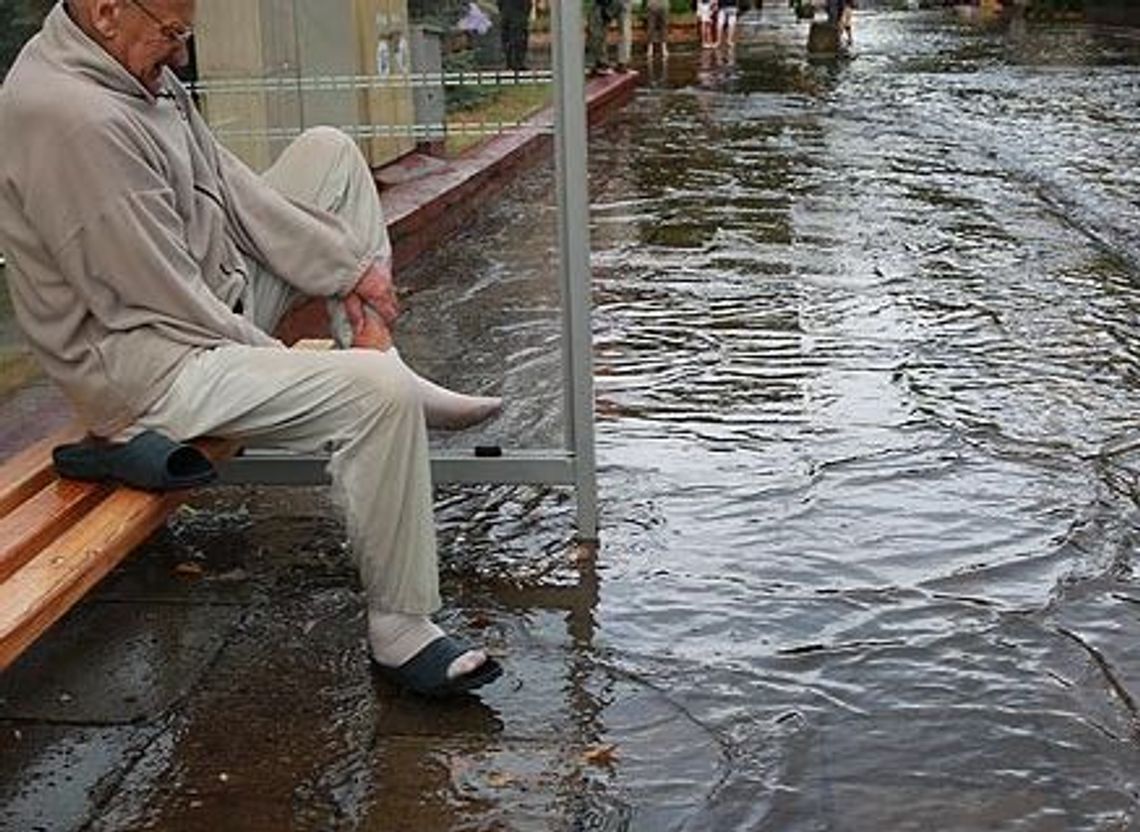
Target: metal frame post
[574, 254]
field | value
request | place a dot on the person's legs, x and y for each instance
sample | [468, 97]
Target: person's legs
[625, 45]
[505, 39]
[707, 17]
[653, 31]
[518, 51]
[662, 24]
[364, 407]
[596, 36]
[360, 404]
[324, 168]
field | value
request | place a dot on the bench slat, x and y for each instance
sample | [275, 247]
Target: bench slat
[31, 470]
[42, 518]
[38, 593]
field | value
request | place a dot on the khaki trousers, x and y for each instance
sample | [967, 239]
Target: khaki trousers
[361, 405]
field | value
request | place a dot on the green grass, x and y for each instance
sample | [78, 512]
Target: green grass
[506, 105]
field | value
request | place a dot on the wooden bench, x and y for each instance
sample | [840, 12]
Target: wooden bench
[58, 537]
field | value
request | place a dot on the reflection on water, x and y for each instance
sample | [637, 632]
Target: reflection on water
[866, 336]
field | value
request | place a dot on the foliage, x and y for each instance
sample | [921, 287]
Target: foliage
[463, 96]
[19, 20]
[440, 13]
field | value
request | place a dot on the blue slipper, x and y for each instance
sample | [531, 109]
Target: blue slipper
[149, 461]
[426, 672]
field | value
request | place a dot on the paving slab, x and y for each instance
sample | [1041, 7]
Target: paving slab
[55, 777]
[115, 663]
[302, 736]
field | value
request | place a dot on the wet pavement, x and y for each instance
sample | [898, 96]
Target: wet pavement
[866, 368]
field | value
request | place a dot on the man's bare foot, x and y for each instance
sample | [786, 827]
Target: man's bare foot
[443, 409]
[447, 410]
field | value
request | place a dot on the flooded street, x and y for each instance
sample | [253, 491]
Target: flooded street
[867, 343]
[867, 333]
[867, 376]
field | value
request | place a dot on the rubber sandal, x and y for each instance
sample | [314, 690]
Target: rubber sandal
[426, 672]
[149, 461]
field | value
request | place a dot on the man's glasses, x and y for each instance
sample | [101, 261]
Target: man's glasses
[177, 32]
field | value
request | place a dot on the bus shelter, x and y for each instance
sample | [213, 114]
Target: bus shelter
[437, 86]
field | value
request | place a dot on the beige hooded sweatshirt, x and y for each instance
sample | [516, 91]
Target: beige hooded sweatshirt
[125, 226]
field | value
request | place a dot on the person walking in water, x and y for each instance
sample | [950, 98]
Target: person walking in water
[601, 14]
[657, 28]
[726, 23]
[846, 19]
[706, 23]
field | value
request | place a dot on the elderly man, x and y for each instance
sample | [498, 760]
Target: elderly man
[147, 265]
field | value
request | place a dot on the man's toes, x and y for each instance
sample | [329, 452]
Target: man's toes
[469, 662]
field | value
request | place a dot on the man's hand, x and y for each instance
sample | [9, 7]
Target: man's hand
[375, 289]
[368, 331]
[372, 308]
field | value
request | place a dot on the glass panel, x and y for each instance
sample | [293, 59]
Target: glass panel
[449, 100]
[484, 311]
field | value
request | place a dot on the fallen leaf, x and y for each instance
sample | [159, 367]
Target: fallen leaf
[499, 779]
[232, 576]
[583, 552]
[189, 569]
[601, 755]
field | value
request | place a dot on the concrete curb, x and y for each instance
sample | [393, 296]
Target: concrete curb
[425, 209]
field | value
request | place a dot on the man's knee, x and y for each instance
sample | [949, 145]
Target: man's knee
[330, 144]
[324, 137]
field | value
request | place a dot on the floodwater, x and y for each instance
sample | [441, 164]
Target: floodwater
[867, 355]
